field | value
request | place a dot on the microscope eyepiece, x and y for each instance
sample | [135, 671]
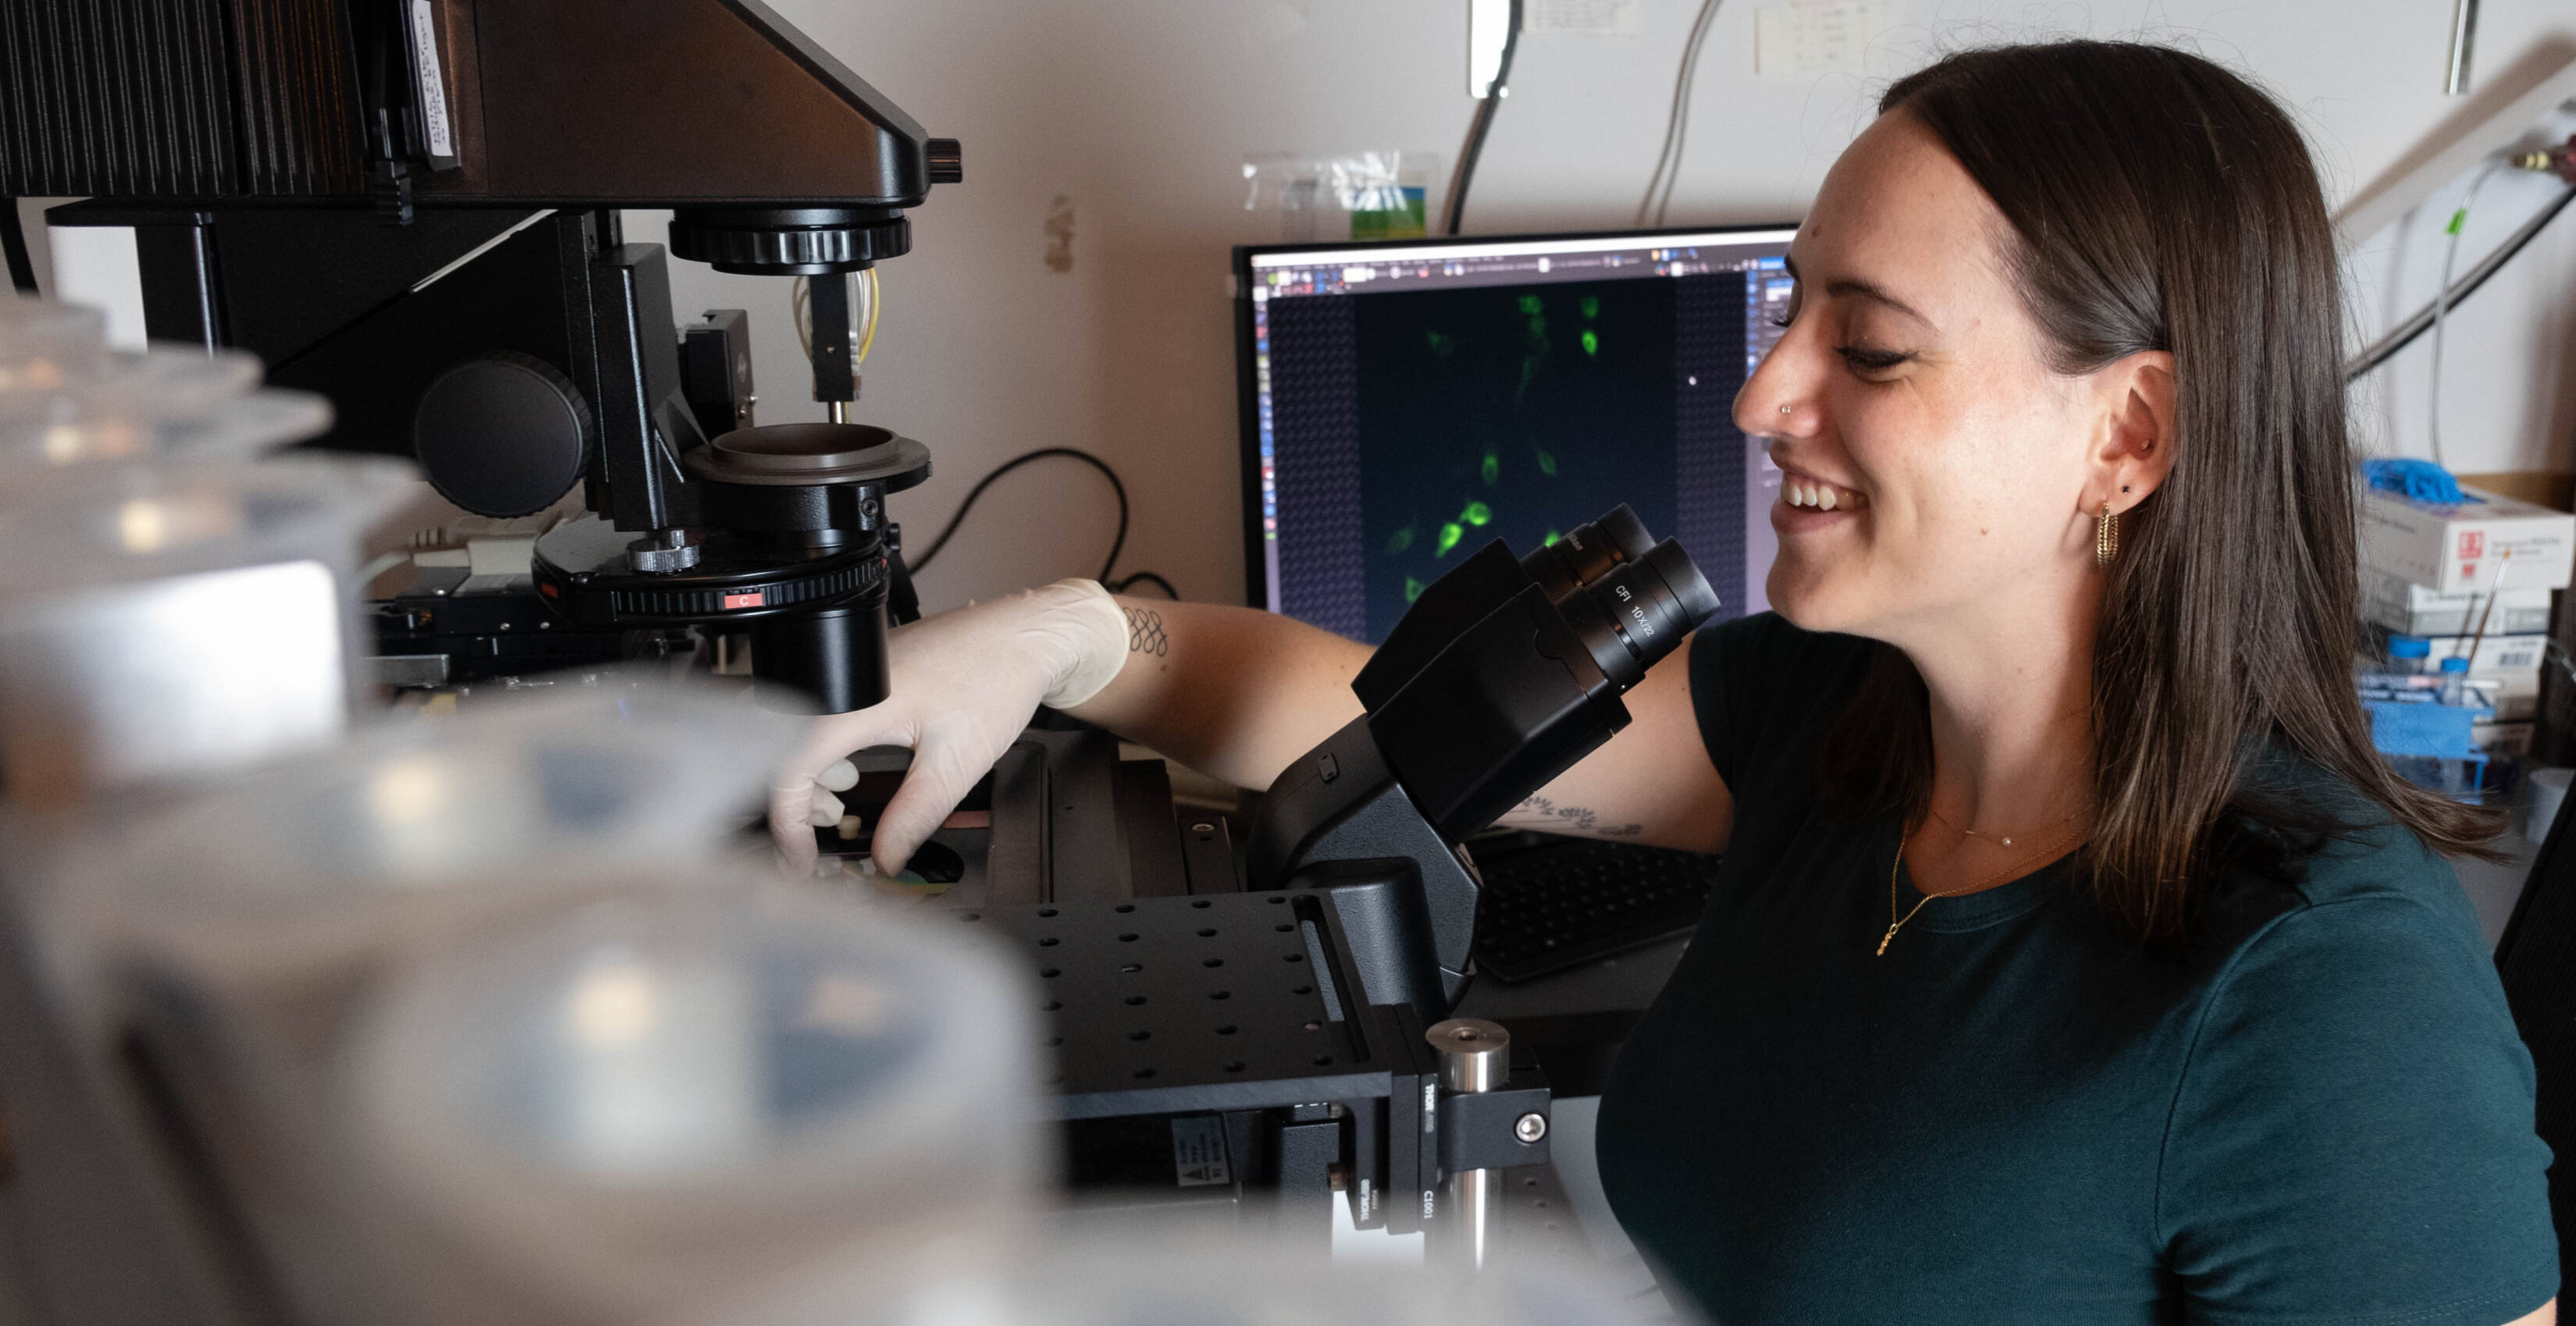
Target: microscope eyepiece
[1588, 552]
[1638, 612]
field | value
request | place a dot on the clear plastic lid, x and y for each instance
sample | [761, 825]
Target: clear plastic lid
[276, 898]
[44, 345]
[68, 401]
[669, 1107]
[632, 771]
[122, 523]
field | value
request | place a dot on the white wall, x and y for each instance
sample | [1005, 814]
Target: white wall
[1141, 110]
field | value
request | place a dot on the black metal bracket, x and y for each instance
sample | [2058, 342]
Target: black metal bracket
[1479, 1129]
[644, 421]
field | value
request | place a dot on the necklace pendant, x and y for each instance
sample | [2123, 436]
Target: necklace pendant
[1888, 938]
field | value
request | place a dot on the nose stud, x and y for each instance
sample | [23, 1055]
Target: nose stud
[1787, 408]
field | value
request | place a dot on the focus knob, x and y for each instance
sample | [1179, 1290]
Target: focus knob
[947, 161]
[789, 241]
[501, 435]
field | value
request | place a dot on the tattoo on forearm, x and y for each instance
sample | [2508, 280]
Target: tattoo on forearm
[1538, 812]
[1145, 632]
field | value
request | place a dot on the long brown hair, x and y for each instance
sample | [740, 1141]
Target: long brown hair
[2159, 202]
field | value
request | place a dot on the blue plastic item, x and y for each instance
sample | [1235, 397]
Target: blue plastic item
[2409, 646]
[2442, 730]
[2454, 664]
[2416, 480]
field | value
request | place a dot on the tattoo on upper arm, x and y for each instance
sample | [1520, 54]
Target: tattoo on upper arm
[1145, 632]
[1538, 812]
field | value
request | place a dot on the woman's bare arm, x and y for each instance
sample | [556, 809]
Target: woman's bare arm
[1237, 694]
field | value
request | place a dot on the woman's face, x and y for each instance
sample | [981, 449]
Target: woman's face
[1956, 464]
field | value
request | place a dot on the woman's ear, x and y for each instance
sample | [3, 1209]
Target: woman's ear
[2135, 448]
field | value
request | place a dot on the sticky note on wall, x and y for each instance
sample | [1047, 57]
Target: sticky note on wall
[1608, 18]
[1820, 38]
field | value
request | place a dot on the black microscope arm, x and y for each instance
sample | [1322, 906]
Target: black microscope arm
[1504, 674]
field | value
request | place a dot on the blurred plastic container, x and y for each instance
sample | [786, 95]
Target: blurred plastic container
[224, 945]
[169, 611]
[679, 1108]
[163, 625]
[165, 405]
[44, 345]
[1239, 1282]
[67, 401]
[298, 879]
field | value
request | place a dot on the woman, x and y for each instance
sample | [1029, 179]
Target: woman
[2073, 958]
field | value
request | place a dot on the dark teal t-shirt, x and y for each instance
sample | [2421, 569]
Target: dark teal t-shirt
[2318, 1113]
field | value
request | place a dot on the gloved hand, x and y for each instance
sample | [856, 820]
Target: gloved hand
[963, 686]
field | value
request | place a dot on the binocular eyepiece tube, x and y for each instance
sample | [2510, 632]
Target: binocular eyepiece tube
[1630, 599]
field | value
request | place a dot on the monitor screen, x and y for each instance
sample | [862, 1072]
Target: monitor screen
[1406, 403]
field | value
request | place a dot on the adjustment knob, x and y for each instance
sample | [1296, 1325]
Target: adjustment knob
[789, 241]
[947, 161]
[501, 434]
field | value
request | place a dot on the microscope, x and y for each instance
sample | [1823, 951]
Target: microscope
[411, 208]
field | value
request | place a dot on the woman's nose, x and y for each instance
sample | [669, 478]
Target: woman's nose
[1770, 404]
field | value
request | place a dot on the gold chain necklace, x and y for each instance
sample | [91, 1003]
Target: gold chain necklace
[1998, 839]
[1896, 923]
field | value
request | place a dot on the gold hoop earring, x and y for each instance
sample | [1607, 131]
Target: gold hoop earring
[2106, 536]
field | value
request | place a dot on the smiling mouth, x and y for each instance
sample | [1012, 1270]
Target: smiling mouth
[1819, 496]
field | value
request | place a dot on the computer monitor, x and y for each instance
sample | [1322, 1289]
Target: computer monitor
[1406, 402]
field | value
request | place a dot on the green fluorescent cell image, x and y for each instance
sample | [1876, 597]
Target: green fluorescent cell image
[1499, 414]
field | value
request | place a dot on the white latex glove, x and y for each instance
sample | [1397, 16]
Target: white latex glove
[963, 686]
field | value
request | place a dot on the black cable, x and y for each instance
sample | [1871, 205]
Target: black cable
[1160, 583]
[1474, 147]
[13, 239]
[1116, 545]
[2404, 333]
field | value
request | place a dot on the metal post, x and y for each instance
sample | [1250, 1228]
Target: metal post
[2464, 36]
[1475, 1056]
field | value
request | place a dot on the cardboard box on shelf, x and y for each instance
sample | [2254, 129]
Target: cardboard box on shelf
[2456, 549]
[2408, 608]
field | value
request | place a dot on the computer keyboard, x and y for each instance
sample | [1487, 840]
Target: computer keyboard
[1550, 902]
